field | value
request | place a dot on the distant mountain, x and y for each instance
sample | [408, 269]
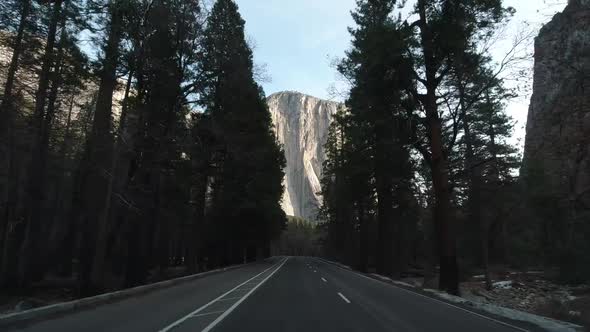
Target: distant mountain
[301, 124]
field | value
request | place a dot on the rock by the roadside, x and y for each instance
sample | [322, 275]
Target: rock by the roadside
[575, 313]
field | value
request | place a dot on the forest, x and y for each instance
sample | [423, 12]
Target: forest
[136, 145]
[134, 139]
[422, 176]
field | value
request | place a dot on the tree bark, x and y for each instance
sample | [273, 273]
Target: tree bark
[96, 184]
[29, 265]
[475, 185]
[385, 254]
[60, 221]
[364, 238]
[7, 135]
[449, 274]
[200, 196]
[474, 202]
[7, 98]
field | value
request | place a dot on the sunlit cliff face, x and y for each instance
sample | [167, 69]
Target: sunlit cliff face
[301, 123]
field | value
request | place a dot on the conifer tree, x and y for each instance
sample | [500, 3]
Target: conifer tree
[376, 65]
[247, 180]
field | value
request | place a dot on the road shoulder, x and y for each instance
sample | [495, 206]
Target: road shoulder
[513, 318]
[28, 317]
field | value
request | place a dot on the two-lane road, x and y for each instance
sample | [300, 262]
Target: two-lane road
[311, 295]
[282, 294]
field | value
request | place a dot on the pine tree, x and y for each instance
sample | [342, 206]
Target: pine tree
[479, 95]
[347, 190]
[8, 110]
[97, 160]
[247, 185]
[24, 11]
[52, 57]
[443, 30]
[161, 112]
[377, 67]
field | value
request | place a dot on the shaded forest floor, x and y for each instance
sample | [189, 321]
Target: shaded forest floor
[49, 291]
[54, 290]
[528, 291]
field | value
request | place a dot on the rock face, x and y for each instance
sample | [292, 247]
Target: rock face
[557, 147]
[301, 124]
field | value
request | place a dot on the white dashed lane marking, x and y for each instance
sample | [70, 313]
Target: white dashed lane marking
[344, 298]
[208, 313]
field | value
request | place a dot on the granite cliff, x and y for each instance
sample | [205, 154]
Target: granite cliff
[556, 161]
[301, 123]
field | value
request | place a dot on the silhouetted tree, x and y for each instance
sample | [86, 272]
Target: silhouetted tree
[248, 163]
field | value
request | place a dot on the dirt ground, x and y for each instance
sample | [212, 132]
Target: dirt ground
[40, 296]
[531, 292]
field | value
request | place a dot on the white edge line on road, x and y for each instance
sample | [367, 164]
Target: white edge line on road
[344, 298]
[431, 298]
[183, 319]
[233, 307]
[324, 280]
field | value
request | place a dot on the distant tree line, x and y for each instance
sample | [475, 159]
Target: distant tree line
[300, 238]
[419, 171]
[133, 138]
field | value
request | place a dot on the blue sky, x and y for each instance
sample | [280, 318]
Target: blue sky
[297, 41]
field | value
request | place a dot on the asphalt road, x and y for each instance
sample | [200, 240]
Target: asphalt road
[282, 294]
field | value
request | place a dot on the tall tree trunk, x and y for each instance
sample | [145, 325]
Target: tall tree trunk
[495, 176]
[106, 211]
[385, 247]
[405, 209]
[474, 202]
[475, 185]
[194, 241]
[128, 146]
[7, 135]
[136, 267]
[449, 274]
[29, 265]
[56, 81]
[74, 229]
[51, 109]
[364, 237]
[96, 184]
[17, 49]
[60, 221]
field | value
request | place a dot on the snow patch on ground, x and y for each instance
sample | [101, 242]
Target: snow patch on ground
[401, 283]
[395, 282]
[380, 277]
[507, 284]
[543, 322]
